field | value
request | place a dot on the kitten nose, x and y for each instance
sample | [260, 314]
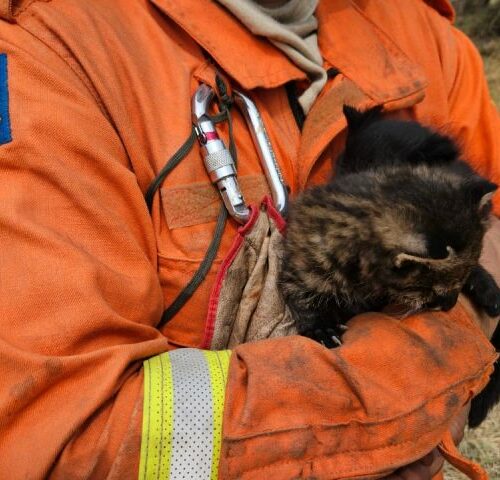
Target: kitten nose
[447, 302]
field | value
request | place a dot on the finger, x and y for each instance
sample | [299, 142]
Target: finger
[428, 459]
[393, 476]
[436, 463]
[417, 471]
[457, 426]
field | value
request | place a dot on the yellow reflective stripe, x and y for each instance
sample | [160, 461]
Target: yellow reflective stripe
[218, 364]
[158, 419]
[177, 375]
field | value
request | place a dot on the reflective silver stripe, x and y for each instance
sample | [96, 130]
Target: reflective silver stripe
[184, 394]
[192, 440]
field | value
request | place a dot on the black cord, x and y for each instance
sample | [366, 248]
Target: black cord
[203, 269]
[200, 274]
[169, 166]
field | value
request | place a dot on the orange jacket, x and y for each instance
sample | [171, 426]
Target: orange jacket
[98, 99]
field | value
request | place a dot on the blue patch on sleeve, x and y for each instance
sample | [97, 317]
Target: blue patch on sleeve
[5, 133]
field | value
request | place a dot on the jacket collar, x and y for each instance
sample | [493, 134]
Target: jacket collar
[375, 70]
[354, 45]
[251, 61]
[365, 54]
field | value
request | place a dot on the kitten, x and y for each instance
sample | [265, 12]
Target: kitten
[401, 223]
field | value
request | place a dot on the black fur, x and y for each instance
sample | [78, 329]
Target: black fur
[401, 222]
[482, 403]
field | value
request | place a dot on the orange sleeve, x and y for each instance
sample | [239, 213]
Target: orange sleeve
[80, 297]
[382, 400]
[474, 119]
[79, 287]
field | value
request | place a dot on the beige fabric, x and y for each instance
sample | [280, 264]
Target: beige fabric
[250, 306]
[292, 28]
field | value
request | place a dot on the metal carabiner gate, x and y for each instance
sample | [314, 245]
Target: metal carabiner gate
[219, 162]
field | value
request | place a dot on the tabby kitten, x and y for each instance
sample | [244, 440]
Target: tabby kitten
[401, 223]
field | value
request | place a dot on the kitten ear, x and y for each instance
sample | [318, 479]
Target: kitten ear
[402, 258]
[482, 193]
[356, 118]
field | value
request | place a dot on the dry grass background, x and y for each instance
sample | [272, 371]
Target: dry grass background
[483, 25]
[483, 446]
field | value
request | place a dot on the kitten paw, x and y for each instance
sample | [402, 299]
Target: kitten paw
[483, 291]
[327, 336]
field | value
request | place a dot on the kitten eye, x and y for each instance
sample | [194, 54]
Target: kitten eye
[405, 268]
[437, 249]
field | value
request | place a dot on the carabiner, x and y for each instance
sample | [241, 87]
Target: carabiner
[265, 151]
[219, 162]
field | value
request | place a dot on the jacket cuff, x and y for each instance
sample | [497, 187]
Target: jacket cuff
[182, 415]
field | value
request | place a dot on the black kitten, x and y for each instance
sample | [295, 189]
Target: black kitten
[401, 223]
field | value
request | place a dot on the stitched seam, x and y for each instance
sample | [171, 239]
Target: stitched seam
[160, 449]
[336, 454]
[392, 46]
[403, 97]
[168, 258]
[273, 77]
[83, 78]
[332, 456]
[149, 419]
[20, 12]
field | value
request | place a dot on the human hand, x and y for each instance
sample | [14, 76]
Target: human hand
[432, 463]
